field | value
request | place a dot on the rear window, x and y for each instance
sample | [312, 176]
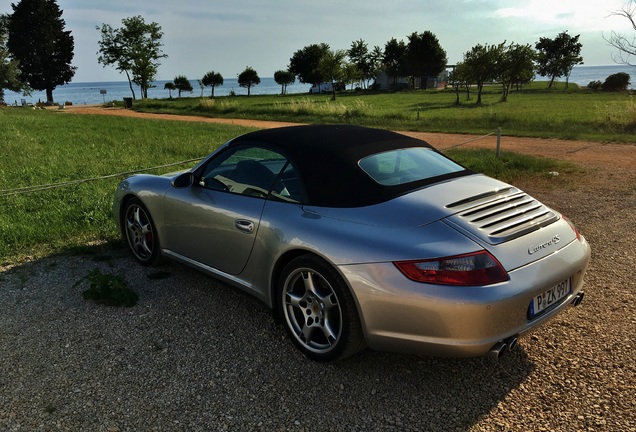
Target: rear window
[397, 167]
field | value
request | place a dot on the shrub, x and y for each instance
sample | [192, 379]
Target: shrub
[595, 85]
[616, 82]
[109, 289]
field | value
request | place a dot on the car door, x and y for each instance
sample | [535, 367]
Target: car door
[215, 221]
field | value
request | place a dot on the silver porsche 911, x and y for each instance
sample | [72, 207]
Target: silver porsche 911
[362, 237]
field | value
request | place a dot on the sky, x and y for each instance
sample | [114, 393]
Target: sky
[227, 36]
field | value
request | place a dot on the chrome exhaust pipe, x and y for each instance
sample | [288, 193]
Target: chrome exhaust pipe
[511, 342]
[497, 350]
[502, 347]
[578, 299]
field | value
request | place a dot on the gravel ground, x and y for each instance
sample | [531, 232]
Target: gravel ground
[196, 355]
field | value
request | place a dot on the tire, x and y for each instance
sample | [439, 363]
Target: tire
[140, 233]
[318, 310]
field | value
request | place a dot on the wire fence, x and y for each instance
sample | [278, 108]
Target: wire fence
[44, 187]
[496, 132]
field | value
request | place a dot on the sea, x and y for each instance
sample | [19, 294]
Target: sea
[90, 93]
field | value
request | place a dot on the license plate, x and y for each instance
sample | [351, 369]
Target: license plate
[549, 297]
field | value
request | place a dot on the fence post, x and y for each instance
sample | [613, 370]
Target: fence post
[498, 140]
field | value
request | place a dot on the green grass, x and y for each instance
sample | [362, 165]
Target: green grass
[110, 290]
[42, 147]
[510, 166]
[533, 112]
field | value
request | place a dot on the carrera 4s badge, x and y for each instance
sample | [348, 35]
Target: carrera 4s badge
[555, 240]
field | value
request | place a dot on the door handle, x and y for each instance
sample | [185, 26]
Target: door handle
[244, 225]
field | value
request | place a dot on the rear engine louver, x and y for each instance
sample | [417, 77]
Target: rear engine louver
[502, 215]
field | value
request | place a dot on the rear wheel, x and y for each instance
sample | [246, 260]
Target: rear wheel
[318, 310]
[140, 233]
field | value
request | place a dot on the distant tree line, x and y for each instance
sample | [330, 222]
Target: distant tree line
[422, 57]
[36, 53]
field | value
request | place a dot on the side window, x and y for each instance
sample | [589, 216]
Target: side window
[290, 188]
[247, 170]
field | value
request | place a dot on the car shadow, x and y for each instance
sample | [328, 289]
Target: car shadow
[192, 335]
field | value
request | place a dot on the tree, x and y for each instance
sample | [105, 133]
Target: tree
[556, 57]
[331, 68]
[182, 83]
[201, 86]
[424, 56]
[41, 46]
[616, 82]
[481, 65]
[376, 56]
[169, 86]
[626, 47]
[394, 59]
[350, 74]
[515, 66]
[305, 63]
[134, 49]
[359, 56]
[212, 79]
[459, 78]
[248, 78]
[284, 78]
[367, 62]
[9, 70]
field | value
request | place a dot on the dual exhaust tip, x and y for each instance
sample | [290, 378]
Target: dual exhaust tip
[503, 347]
[578, 299]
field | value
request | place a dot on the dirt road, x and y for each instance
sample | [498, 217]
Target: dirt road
[606, 155]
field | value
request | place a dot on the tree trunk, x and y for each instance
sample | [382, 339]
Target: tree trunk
[49, 95]
[130, 85]
[480, 87]
[506, 90]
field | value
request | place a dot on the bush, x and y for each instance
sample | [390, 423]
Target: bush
[109, 289]
[616, 82]
[595, 85]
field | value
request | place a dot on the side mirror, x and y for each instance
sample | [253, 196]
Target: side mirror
[183, 180]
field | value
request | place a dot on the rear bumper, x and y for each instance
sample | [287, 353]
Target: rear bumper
[400, 315]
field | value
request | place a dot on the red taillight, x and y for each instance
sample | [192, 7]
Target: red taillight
[574, 228]
[479, 268]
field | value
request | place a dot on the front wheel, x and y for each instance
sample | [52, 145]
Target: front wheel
[140, 233]
[318, 310]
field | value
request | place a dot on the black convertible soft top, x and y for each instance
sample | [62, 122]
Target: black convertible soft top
[327, 156]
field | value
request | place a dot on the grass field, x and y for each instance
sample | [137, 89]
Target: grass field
[533, 112]
[41, 147]
[44, 147]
